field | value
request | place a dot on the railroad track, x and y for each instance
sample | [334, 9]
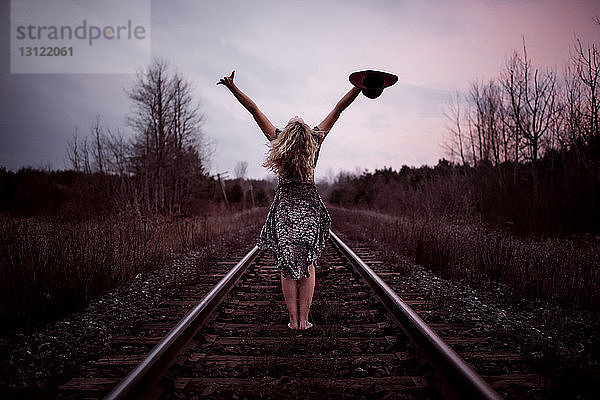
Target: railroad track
[234, 341]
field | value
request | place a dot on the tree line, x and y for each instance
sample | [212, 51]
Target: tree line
[162, 169]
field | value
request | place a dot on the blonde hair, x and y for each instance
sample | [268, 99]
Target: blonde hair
[293, 152]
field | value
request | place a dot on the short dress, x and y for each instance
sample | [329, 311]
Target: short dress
[297, 225]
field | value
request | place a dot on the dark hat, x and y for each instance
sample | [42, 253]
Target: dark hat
[372, 82]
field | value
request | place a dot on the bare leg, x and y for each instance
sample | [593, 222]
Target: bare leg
[290, 294]
[306, 289]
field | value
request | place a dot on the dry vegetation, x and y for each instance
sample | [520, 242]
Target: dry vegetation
[551, 268]
[52, 265]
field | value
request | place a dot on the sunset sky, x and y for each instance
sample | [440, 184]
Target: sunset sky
[294, 58]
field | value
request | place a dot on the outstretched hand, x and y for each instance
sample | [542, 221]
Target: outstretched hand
[263, 122]
[227, 80]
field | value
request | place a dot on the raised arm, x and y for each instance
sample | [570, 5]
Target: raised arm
[333, 116]
[261, 119]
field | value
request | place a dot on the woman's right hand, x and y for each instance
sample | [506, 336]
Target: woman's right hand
[227, 80]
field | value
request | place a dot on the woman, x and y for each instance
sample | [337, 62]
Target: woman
[297, 225]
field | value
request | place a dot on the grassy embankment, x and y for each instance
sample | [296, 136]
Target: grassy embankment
[50, 265]
[548, 268]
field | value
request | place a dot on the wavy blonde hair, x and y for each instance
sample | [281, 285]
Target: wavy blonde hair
[293, 152]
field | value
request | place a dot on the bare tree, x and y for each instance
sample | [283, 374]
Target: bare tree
[85, 157]
[587, 65]
[73, 153]
[149, 119]
[117, 149]
[454, 144]
[98, 150]
[512, 119]
[168, 143]
[240, 169]
[540, 100]
[185, 139]
[476, 118]
[532, 110]
[79, 154]
[485, 117]
[572, 130]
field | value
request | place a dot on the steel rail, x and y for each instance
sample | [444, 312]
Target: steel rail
[141, 380]
[454, 377]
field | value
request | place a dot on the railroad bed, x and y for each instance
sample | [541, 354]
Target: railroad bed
[243, 347]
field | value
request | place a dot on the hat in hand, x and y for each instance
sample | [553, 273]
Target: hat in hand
[372, 82]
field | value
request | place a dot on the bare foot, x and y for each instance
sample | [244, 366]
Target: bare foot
[305, 325]
[292, 325]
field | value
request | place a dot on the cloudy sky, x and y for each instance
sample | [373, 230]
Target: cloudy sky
[294, 58]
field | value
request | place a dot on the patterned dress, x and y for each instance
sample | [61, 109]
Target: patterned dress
[298, 223]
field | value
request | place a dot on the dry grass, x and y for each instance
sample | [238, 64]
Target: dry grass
[49, 266]
[558, 269]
